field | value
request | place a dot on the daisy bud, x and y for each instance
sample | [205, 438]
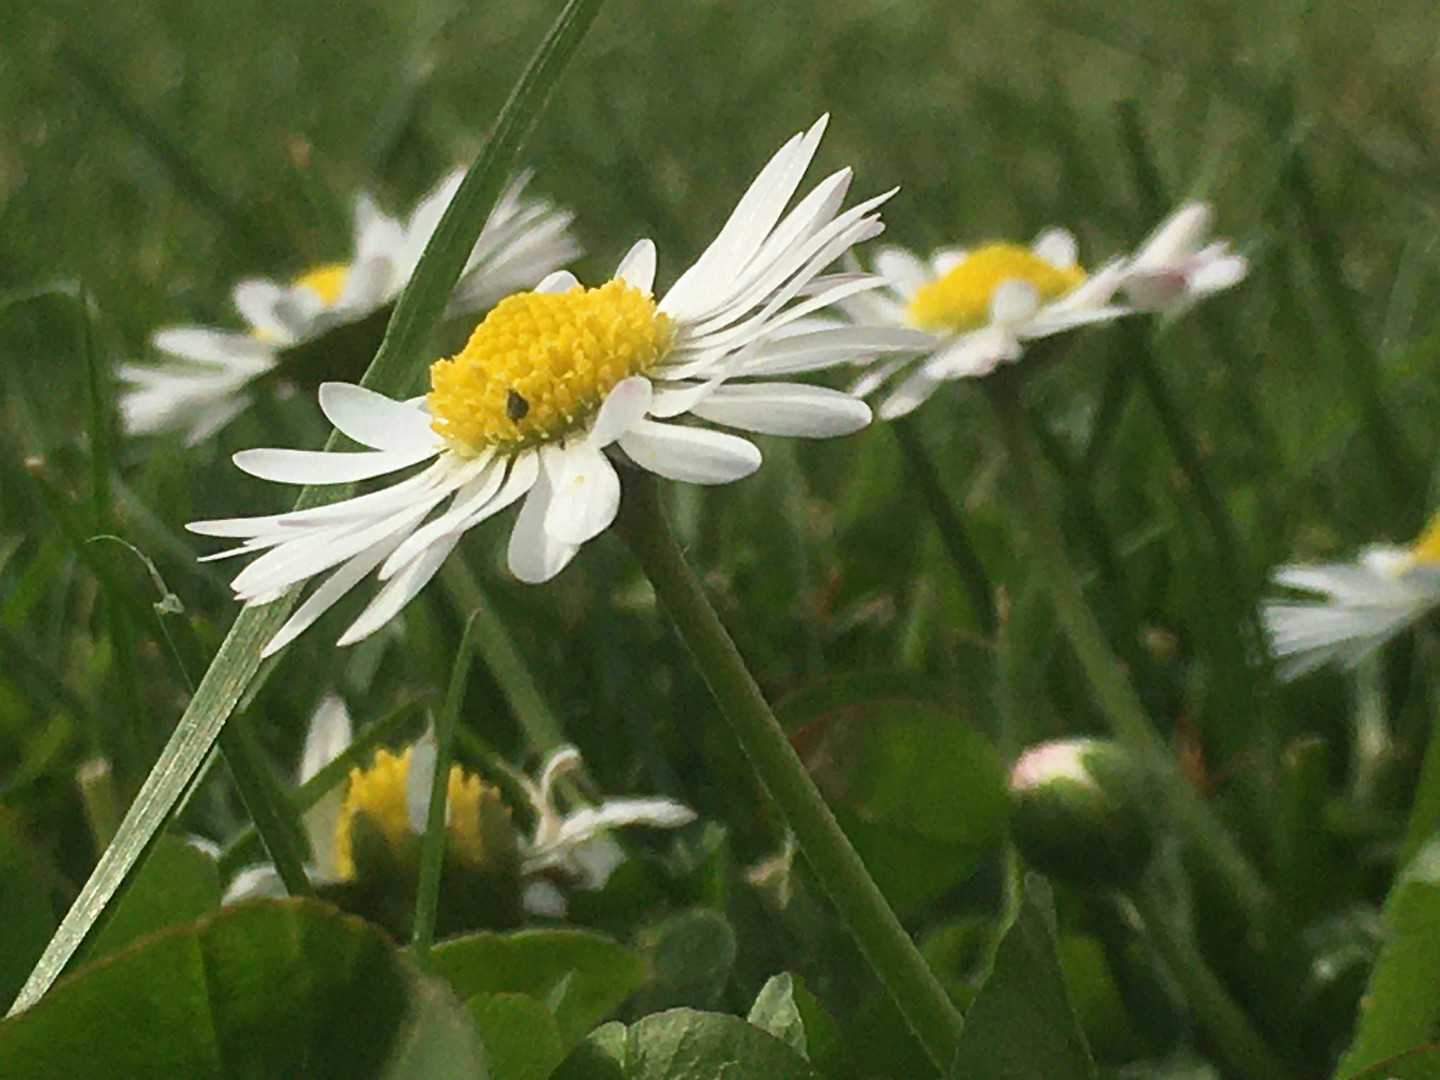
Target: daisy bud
[1077, 813]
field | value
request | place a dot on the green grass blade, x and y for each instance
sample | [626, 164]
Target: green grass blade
[393, 370]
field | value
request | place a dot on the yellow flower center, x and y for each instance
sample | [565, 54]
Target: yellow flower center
[328, 281]
[959, 299]
[540, 365]
[1426, 548]
[378, 794]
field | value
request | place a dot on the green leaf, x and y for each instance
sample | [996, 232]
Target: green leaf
[286, 988]
[1401, 1007]
[1021, 1025]
[438, 1041]
[691, 957]
[581, 976]
[178, 883]
[684, 1044]
[393, 371]
[522, 1039]
[25, 916]
[918, 790]
[786, 1009]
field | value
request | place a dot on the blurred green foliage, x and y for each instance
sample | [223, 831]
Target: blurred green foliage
[152, 154]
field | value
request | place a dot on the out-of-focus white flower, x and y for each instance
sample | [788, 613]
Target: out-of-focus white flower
[1366, 602]
[577, 846]
[975, 310]
[202, 384]
[1176, 266]
[556, 384]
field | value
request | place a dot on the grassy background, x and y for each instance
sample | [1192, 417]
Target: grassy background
[153, 153]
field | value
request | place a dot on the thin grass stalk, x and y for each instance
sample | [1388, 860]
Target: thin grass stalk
[893, 956]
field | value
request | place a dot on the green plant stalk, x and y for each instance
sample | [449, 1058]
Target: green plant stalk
[432, 846]
[1425, 806]
[503, 660]
[953, 533]
[1117, 698]
[394, 369]
[1235, 1039]
[904, 973]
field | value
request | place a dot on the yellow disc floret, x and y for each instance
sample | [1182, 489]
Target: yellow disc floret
[328, 282]
[959, 299]
[378, 794]
[1426, 548]
[540, 365]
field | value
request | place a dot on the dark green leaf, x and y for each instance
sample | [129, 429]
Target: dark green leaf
[582, 976]
[25, 916]
[691, 957]
[1021, 1025]
[522, 1039]
[787, 1010]
[178, 883]
[438, 1040]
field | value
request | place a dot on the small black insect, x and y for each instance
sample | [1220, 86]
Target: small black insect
[516, 407]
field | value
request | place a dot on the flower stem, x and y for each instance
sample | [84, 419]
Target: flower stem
[953, 533]
[432, 845]
[920, 997]
[1117, 698]
[1237, 1042]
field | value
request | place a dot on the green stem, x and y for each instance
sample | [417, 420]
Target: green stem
[268, 807]
[1425, 808]
[1236, 1041]
[432, 848]
[920, 997]
[953, 533]
[1117, 698]
[498, 653]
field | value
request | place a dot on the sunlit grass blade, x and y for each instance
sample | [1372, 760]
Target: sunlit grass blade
[393, 371]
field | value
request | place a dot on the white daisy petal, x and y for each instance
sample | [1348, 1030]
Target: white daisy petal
[331, 591]
[638, 267]
[901, 269]
[912, 391]
[323, 467]
[785, 409]
[219, 347]
[692, 455]
[1057, 247]
[585, 495]
[255, 299]
[558, 282]
[377, 421]
[533, 554]
[398, 591]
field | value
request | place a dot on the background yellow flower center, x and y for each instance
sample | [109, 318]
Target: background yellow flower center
[328, 281]
[540, 364]
[378, 793]
[1427, 545]
[959, 299]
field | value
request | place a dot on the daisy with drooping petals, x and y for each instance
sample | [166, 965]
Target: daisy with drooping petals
[203, 383]
[978, 309]
[1366, 603]
[1175, 267]
[555, 382]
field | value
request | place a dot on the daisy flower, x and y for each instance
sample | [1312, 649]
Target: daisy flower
[977, 309]
[202, 384]
[1365, 603]
[1175, 267]
[556, 383]
[391, 797]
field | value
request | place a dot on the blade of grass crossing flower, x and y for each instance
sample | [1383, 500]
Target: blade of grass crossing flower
[432, 848]
[893, 956]
[421, 304]
[393, 370]
[1114, 693]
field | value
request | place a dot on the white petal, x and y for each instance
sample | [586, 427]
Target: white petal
[322, 467]
[1057, 247]
[398, 591]
[475, 501]
[902, 269]
[637, 268]
[255, 299]
[1175, 237]
[976, 353]
[558, 282]
[259, 880]
[327, 736]
[785, 409]
[913, 391]
[377, 235]
[627, 402]
[533, 554]
[330, 592]
[839, 345]
[420, 781]
[946, 259]
[584, 824]
[219, 347]
[542, 899]
[1220, 273]
[692, 455]
[368, 284]
[1014, 300]
[375, 420]
[585, 495]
